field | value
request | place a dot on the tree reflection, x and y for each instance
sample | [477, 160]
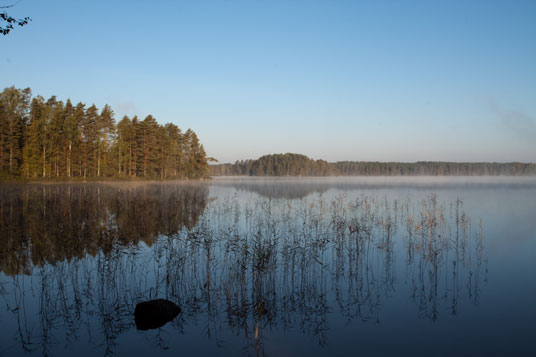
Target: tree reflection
[238, 269]
[277, 187]
[52, 223]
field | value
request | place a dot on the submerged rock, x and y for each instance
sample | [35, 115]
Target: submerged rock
[155, 313]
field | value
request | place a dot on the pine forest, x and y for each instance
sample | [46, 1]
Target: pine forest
[53, 139]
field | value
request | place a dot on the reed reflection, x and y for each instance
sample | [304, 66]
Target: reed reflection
[241, 269]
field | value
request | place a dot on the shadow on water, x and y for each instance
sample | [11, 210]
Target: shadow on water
[73, 264]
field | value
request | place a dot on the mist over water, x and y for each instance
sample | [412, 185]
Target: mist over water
[277, 266]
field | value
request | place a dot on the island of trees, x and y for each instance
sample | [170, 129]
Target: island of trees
[51, 139]
[301, 165]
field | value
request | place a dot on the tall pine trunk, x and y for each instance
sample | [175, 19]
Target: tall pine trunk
[162, 174]
[44, 160]
[69, 160]
[130, 159]
[11, 158]
[144, 156]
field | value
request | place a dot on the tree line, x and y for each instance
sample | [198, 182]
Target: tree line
[300, 165]
[53, 139]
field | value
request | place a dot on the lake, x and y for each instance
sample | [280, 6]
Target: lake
[270, 266]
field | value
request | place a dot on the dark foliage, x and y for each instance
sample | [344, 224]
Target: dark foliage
[300, 165]
[9, 22]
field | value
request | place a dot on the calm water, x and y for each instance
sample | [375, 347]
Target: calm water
[281, 267]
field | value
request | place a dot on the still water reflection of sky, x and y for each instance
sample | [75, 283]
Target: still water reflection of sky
[284, 266]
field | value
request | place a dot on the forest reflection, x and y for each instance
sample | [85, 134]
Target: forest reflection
[297, 188]
[51, 223]
[234, 267]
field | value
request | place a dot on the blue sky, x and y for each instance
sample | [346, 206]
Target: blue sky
[335, 80]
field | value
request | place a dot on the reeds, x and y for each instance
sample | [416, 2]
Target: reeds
[250, 263]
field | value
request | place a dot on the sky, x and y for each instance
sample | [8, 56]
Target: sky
[335, 80]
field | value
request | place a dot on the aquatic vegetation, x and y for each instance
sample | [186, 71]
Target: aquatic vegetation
[240, 266]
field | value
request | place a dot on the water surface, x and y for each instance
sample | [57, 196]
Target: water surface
[307, 266]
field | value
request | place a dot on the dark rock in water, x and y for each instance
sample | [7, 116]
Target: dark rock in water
[155, 313]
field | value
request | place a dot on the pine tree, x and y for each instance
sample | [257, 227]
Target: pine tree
[57, 137]
[149, 129]
[164, 147]
[70, 131]
[124, 143]
[175, 164]
[196, 164]
[137, 146]
[13, 115]
[90, 137]
[37, 148]
[105, 133]
[78, 148]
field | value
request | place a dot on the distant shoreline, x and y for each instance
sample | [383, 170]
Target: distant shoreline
[291, 164]
[284, 179]
[373, 175]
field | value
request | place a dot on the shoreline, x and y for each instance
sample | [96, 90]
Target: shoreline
[100, 181]
[369, 179]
